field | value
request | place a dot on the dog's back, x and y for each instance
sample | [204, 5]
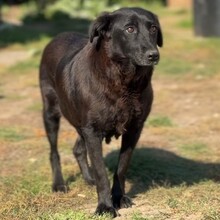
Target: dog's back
[68, 43]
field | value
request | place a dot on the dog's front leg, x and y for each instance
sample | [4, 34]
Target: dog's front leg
[94, 146]
[129, 140]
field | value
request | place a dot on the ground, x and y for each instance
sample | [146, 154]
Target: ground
[175, 170]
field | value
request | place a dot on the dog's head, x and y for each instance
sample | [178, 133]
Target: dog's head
[132, 34]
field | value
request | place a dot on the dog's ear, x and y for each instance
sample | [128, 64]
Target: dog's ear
[100, 26]
[160, 34]
[160, 37]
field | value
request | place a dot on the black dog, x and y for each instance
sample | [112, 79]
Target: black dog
[102, 86]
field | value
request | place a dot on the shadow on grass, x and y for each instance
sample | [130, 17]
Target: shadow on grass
[36, 26]
[152, 166]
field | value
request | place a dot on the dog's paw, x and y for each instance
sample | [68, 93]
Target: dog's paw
[126, 202]
[104, 209]
[120, 202]
[60, 188]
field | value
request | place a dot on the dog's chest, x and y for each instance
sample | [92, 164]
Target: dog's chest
[116, 116]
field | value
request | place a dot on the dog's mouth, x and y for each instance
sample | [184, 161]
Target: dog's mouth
[152, 63]
[146, 60]
[147, 63]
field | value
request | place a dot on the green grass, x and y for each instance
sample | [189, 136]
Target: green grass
[185, 20]
[36, 107]
[68, 214]
[11, 134]
[172, 203]
[181, 65]
[174, 66]
[25, 66]
[37, 202]
[212, 215]
[186, 23]
[194, 149]
[160, 121]
[71, 215]
[138, 216]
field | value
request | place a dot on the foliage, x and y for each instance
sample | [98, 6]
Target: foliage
[42, 4]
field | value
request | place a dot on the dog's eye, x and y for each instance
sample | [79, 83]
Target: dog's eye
[153, 29]
[130, 30]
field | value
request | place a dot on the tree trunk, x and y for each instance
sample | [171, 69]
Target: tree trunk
[207, 17]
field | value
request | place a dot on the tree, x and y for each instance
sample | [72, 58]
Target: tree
[207, 17]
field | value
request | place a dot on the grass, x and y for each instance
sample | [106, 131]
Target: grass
[196, 61]
[160, 121]
[194, 149]
[25, 66]
[174, 172]
[63, 216]
[37, 203]
[11, 134]
[213, 215]
[174, 66]
[187, 23]
[35, 107]
[138, 216]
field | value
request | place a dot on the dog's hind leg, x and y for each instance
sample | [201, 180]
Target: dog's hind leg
[80, 153]
[51, 116]
[51, 122]
[129, 140]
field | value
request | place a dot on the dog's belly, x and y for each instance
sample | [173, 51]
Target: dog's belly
[107, 135]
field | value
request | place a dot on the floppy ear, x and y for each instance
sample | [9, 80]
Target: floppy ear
[100, 26]
[160, 37]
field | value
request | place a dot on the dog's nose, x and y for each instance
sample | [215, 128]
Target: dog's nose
[153, 56]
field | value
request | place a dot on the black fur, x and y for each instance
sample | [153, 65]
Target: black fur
[102, 86]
